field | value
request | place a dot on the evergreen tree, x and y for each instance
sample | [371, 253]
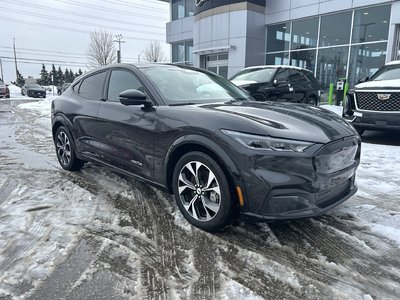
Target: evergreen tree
[44, 76]
[71, 76]
[66, 75]
[80, 72]
[20, 79]
[54, 76]
[60, 76]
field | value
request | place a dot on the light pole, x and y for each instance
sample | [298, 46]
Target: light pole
[1, 67]
[139, 55]
[119, 41]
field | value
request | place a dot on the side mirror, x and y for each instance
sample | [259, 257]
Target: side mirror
[134, 97]
[364, 79]
[279, 82]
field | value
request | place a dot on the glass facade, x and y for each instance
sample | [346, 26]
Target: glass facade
[182, 52]
[182, 9]
[349, 44]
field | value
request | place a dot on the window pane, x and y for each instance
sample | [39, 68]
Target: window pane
[277, 59]
[335, 29]
[303, 59]
[331, 65]
[278, 37]
[365, 60]
[223, 71]
[178, 52]
[297, 77]
[371, 24]
[92, 87]
[121, 81]
[305, 34]
[189, 8]
[178, 9]
[188, 52]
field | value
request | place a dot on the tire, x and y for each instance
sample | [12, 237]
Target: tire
[65, 150]
[312, 101]
[205, 204]
[260, 97]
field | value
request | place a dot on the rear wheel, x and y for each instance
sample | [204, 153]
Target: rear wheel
[65, 150]
[202, 192]
[312, 101]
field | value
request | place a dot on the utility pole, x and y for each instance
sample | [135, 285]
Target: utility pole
[1, 66]
[15, 60]
[139, 55]
[119, 41]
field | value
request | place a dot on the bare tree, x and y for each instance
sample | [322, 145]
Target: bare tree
[101, 49]
[154, 52]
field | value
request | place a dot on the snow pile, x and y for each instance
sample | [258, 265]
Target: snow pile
[15, 91]
[42, 106]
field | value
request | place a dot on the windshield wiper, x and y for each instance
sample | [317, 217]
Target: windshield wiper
[183, 103]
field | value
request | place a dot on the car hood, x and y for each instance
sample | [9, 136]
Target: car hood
[379, 84]
[284, 120]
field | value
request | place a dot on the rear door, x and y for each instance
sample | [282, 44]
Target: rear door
[82, 111]
[127, 132]
[300, 85]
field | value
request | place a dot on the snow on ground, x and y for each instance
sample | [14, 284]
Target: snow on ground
[135, 236]
[333, 108]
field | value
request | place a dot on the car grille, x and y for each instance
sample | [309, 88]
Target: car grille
[370, 101]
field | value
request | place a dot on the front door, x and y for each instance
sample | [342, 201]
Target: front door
[127, 131]
[218, 63]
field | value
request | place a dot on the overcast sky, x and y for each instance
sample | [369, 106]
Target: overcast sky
[57, 31]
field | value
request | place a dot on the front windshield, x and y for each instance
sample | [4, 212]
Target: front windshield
[181, 85]
[257, 75]
[36, 86]
[387, 73]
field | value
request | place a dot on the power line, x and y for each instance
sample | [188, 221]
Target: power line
[43, 60]
[59, 53]
[38, 63]
[128, 4]
[75, 21]
[103, 8]
[57, 27]
[42, 7]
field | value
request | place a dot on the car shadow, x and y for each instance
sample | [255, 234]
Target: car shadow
[382, 137]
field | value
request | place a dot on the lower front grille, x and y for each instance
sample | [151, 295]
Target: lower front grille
[378, 101]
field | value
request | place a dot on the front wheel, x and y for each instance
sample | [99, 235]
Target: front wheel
[202, 192]
[65, 150]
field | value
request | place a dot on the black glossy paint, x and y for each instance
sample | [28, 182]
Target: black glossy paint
[292, 90]
[144, 141]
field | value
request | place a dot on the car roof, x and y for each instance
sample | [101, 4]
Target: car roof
[394, 62]
[276, 67]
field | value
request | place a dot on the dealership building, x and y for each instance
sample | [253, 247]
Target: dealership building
[332, 38]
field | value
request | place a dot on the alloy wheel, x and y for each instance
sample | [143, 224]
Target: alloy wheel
[199, 191]
[63, 148]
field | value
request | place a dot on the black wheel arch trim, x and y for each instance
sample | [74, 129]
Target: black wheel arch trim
[212, 147]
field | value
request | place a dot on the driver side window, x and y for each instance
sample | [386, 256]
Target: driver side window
[120, 81]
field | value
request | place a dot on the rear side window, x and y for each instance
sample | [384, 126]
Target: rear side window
[297, 77]
[282, 75]
[120, 81]
[92, 86]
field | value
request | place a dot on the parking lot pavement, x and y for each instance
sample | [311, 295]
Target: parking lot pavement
[97, 235]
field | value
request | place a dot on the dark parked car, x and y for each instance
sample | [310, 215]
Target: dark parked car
[197, 135]
[33, 90]
[279, 83]
[4, 91]
[375, 103]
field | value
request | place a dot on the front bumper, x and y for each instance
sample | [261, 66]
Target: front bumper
[374, 120]
[290, 187]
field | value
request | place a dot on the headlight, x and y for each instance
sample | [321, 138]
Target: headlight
[260, 142]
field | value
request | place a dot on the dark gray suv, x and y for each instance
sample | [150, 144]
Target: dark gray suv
[200, 137]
